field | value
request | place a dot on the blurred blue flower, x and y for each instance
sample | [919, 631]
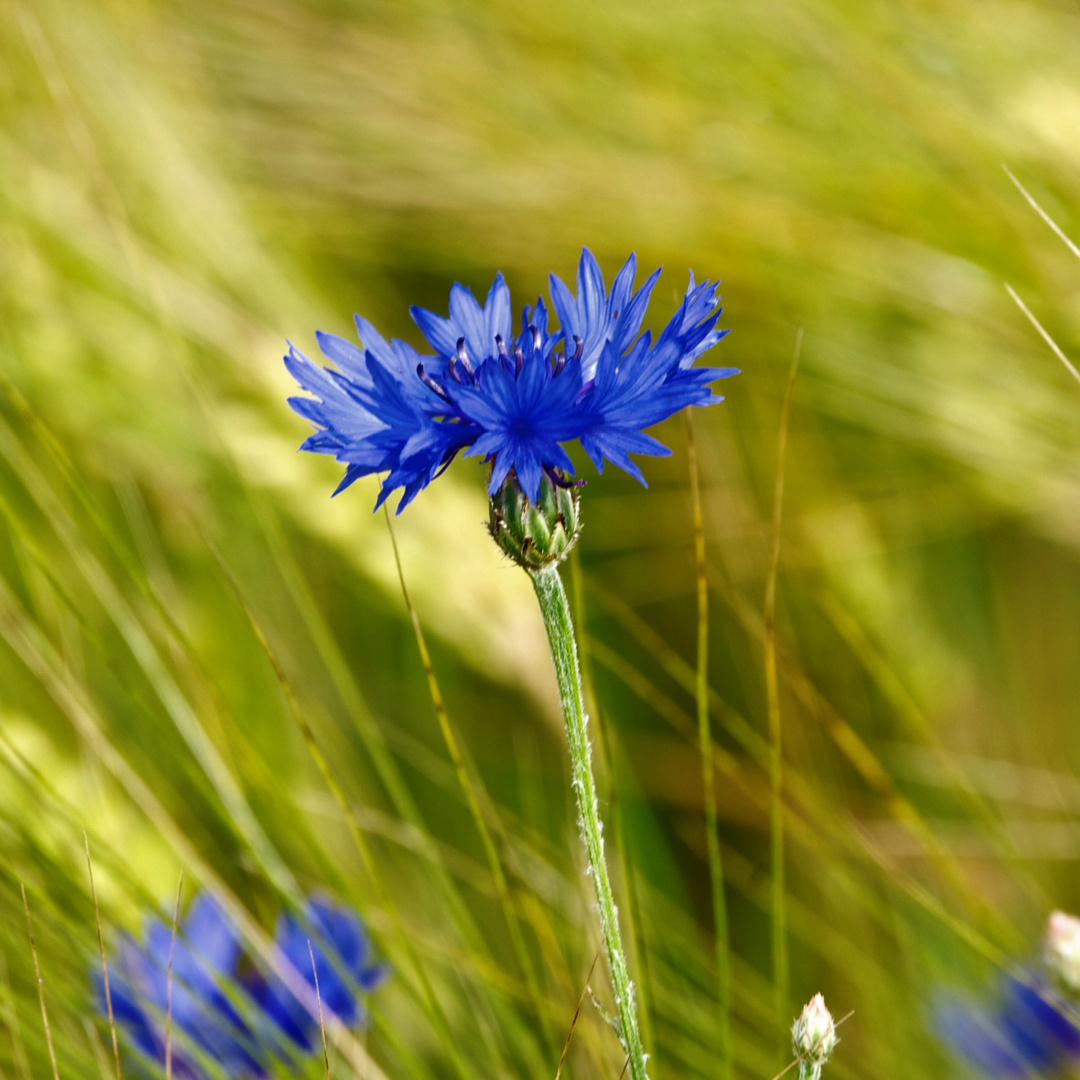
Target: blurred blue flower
[223, 1008]
[513, 401]
[205, 959]
[1026, 1032]
[343, 961]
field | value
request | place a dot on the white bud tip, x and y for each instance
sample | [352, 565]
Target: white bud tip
[1062, 949]
[813, 1035]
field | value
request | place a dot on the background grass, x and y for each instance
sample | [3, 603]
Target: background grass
[183, 185]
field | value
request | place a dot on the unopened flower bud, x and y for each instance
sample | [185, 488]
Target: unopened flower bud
[813, 1038]
[535, 536]
[1062, 949]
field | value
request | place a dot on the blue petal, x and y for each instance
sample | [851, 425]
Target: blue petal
[439, 332]
[468, 317]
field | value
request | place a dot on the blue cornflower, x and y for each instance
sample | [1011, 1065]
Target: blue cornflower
[515, 402]
[343, 961]
[205, 960]
[223, 1008]
[1028, 1031]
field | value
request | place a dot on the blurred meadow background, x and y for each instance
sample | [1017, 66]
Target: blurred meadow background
[185, 613]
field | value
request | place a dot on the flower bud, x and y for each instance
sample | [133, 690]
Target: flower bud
[1062, 949]
[813, 1038]
[536, 536]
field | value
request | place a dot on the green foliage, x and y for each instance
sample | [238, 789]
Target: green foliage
[184, 185]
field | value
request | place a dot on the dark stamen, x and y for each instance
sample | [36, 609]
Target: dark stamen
[560, 363]
[500, 344]
[463, 357]
[579, 347]
[452, 371]
[430, 383]
[559, 479]
[536, 338]
[519, 360]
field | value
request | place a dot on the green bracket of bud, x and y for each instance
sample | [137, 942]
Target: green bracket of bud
[540, 536]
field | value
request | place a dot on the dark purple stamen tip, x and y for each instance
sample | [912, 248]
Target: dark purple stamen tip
[430, 383]
[579, 347]
[452, 371]
[560, 363]
[500, 344]
[536, 338]
[519, 360]
[463, 357]
[559, 479]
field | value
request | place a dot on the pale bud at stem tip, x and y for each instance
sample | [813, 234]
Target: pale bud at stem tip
[813, 1038]
[1061, 950]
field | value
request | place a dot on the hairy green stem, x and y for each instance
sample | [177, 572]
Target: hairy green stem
[560, 630]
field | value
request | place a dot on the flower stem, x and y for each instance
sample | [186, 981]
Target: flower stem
[560, 630]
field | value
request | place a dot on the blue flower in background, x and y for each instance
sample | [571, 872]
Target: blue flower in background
[1027, 1032]
[514, 401]
[343, 961]
[223, 1007]
[205, 958]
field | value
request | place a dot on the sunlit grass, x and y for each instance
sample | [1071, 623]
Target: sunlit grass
[184, 614]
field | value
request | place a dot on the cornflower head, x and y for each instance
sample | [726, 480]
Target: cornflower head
[516, 401]
[224, 1012]
[1029, 1029]
[813, 1038]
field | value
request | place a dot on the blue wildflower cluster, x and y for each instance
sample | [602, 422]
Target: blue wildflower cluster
[1026, 1032]
[223, 1008]
[515, 401]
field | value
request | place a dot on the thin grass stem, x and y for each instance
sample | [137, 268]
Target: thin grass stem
[708, 775]
[1054, 347]
[1042, 213]
[40, 985]
[318, 999]
[772, 695]
[577, 1013]
[472, 800]
[101, 950]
